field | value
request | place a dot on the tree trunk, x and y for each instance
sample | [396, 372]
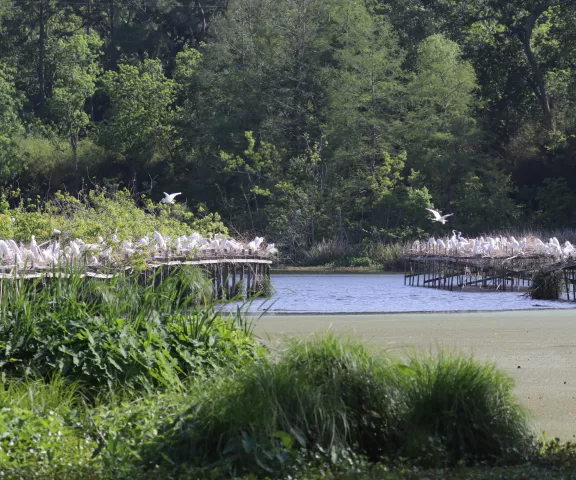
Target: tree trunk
[538, 82]
[41, 48]
[74, 145]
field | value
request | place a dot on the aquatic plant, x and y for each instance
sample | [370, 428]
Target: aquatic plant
[546, 285]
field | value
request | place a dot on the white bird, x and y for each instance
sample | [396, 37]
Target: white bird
[271, 249]
[56, 232]
[160, 240]
[438, 217]
[169, 197]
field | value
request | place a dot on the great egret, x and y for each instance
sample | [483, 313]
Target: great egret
[169, 197]
[438, 217]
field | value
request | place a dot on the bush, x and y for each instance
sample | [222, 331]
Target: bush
[99, 212]
[324, 398]
[461, 409]
[546, 285]
[118, 332]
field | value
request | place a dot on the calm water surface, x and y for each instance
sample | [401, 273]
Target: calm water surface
[365, 293]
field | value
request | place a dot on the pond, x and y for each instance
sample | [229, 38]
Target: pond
[381, 293]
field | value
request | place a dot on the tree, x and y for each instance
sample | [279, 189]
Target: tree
[76, 60]
[10, 125]
[363, 101]
[440, 130]
[141, 112]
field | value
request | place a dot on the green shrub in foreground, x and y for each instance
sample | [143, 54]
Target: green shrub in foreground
[321, 398]
[461, 408]
[332, 400]
[118, 333]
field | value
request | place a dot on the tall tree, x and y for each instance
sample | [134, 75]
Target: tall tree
[10, 125]
[76, 60]
[440, 127]
[141, 113]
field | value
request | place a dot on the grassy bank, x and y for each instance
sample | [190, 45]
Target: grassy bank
[320, 409]
[128, 380]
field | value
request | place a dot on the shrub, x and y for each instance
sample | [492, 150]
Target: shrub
[323, 397]
[546, 285]
[325, 252]
[461, 408]
[99, 212]
[119, 332]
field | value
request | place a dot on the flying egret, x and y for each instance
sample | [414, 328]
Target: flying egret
[169, 197]
[438, 217]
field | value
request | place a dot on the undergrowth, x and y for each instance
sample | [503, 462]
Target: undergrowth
[320, 408]
[97, 213]
[119, 333]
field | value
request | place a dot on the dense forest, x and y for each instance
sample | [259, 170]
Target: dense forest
[300, 119]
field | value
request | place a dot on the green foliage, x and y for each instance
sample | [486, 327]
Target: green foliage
[556, 202]
[75, 81]
[462, 409]
[119, 332]
[141, 99]
[100, 212]
[440, 126]
[329, 402]
[319, 397]
[321, 408]
[356, 114]
[10, 126]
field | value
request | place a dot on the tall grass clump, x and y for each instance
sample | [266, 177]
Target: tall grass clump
[462, 409]
[325, 252]
[386, 255]
[323, 398]
[546, 285]
[121, 332]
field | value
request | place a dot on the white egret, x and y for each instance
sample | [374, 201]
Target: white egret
[169, 197]
[438, 217]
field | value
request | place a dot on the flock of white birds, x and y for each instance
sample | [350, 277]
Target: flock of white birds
[457, 245]
[101, 252]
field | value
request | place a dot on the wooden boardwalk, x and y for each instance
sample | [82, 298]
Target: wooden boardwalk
[231, 276]
[511, 273]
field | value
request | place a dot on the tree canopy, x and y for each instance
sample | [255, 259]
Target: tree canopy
[300, 119]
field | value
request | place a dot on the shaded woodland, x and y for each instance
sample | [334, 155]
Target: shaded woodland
[300, 119]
